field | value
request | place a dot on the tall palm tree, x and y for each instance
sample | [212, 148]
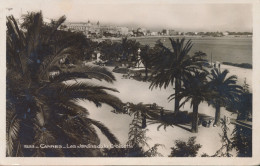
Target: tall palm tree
[129, 47]
[41, 96]
[171, 65]
[125, 47]
[145, 57]
[133, 47]
[195, 89]
[225, 88]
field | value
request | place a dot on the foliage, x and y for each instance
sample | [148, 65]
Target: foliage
[137, 142]
[245, 87]
[145, 53]
[110, 51]
[226, 148]
[41, 96]
[242, 141]
[225, 89]
[157, 115]
[129, 49]
[243, 105]
[126, 50]
[145, 57]
[89, 49]
[137, 135]
[196, 89]
[171, 66]
[185, 149]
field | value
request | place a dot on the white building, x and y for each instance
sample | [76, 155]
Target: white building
[122, 30]
[225, 33]
[154, 33]
[85, 27]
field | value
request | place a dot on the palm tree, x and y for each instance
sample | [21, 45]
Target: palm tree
[133, 47]
[145, 58]
[195, 89]
[110, 51]
[41, 96]
[225, 88]
[170, 66]
[125, 47]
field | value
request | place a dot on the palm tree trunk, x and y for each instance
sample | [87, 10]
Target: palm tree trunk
[194, 126]
[146, 73]
[177, 99]
[217, 115]
[143, 120]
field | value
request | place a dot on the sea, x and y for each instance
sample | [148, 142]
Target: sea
[221, 49]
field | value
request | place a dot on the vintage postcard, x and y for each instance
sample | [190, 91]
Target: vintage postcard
[129, 82]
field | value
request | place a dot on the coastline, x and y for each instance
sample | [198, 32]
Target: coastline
[174, 36]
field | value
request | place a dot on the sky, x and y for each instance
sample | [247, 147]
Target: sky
[153, 16]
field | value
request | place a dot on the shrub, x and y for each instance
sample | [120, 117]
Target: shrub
[185, 149]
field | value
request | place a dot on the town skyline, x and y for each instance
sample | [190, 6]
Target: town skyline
[181, 17]
[135, 27]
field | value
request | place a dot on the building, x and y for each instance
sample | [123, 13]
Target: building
[172, 32]
[122, 30]
[180, 33]
[154, 33]
[108, 30]
[141, 31]
[95, 29]
[225, 33]
[86, 28]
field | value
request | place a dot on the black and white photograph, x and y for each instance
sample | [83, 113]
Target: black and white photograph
[128, 80]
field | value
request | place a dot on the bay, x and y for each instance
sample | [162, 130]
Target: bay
[222, 49]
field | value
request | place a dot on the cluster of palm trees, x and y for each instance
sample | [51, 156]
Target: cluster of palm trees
[40, 96]
[191, 79]
[119, 51]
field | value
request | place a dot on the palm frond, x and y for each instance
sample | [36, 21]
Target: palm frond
[44, 108]
[110, 136]
[56, 24]
[73, 109]
[81, 91]
[13, 125]
[96, 72]
[15, 43]
[50, 60]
